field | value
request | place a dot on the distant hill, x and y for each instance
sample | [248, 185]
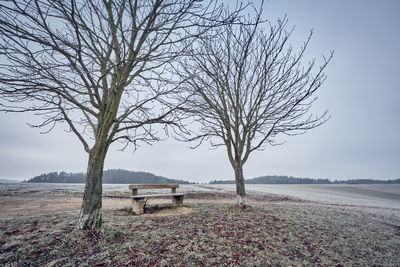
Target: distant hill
[117, 176]
[7, 181]
[276, 179]
[368, 181]
[285, 180]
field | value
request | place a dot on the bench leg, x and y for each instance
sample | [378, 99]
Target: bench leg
[177, 201]
[138, 205]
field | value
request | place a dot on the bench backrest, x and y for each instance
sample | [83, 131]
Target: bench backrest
[152, 186]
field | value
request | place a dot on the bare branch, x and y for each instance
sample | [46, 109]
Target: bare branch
[246, 85]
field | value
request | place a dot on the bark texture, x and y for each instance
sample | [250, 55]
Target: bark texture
[90, 216]
[240, 189]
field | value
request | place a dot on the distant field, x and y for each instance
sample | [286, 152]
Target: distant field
[379, 195]
[375, 195]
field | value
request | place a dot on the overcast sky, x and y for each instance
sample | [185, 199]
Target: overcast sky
[362, 94]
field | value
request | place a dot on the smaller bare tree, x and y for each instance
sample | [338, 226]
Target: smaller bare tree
[245, 85]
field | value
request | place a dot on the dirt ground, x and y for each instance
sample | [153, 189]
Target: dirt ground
[14, 207]
[40, 203]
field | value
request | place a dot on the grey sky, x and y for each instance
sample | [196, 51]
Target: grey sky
[362, 94]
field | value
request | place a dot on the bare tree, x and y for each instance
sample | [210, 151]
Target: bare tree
[245, 86]
[98, 66]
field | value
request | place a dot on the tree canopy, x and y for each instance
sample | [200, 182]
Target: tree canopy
[100, 67]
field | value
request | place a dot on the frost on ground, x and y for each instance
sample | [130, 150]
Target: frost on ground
[274, 231]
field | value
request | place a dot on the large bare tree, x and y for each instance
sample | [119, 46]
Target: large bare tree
[99, 66]
[246, 85]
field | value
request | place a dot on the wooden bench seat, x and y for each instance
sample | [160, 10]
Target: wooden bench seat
[138, 201]
[158, 195]
[152, 186]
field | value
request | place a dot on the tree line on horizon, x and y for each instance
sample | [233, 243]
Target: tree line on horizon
[114, 176]
[280, 179]
[121, 176]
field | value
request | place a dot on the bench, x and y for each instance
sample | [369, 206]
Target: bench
[138, 201]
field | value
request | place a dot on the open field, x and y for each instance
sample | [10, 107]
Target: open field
[369, 195]
[38, 230]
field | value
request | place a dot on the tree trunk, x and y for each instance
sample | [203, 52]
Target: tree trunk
[90, 214]
[240, 190]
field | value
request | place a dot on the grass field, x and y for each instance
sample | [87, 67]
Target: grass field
[208, 231]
